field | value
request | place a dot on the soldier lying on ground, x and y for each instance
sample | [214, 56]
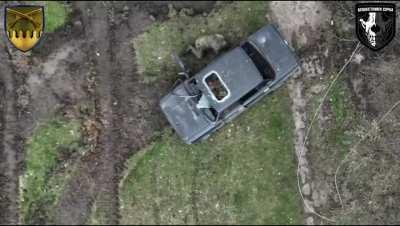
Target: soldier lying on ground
[216, 42]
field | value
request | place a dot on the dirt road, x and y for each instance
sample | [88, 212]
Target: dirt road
[11, 137]
[8, 164]
[122, 107]
[89, 62]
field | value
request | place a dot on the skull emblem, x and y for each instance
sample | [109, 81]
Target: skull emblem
[375, 24]
[370, 27]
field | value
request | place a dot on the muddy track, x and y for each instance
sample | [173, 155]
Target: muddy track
[75, 203]
[125, 110]
[11, 142]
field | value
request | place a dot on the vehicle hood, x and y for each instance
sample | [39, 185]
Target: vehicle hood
[276, 50]
[183, 115]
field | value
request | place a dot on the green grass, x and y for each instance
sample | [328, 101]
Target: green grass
[98, 216]
[331, 136]
[56, 14]
[338, 133]
[44, 178]
[338, 104]
[153, 48]
[244, 174]
[343, 113]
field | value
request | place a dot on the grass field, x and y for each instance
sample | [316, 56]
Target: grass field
[333, 131]
[56, 14]
[344, 117]
[47, 168]
[331, 137]
[153, 48]
[245, 174]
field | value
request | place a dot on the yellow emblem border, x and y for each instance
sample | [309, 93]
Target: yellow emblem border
[25, 44]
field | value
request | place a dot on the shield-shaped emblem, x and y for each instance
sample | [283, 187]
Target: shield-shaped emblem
[24, 25]
[375, 24]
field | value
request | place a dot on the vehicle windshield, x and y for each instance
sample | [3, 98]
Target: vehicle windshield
[259, 61]
[203, 105]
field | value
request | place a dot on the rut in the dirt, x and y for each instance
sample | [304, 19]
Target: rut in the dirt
[125, 110]
[11, 142]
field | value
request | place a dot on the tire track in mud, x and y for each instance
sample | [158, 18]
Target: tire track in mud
[125, 110]
[75, 203]
[11, 142]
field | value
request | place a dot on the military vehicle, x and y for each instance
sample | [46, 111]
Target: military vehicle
[230, 84]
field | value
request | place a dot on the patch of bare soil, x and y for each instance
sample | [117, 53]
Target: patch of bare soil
[369, 180]
[14, 99]
[123, 111]
[302, 24]
[159, 9]
[323, 35]
[10, 141]
[85, 70]
[35, 86]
